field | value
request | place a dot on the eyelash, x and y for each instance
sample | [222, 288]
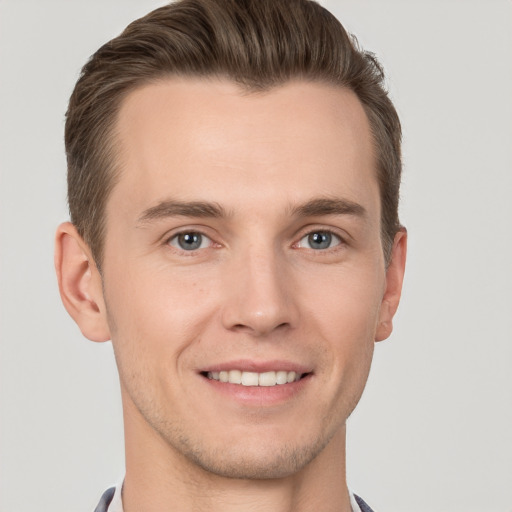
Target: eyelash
[340, 241]
[190, 252]
[333, 237]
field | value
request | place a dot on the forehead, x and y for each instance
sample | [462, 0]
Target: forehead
[199, 139]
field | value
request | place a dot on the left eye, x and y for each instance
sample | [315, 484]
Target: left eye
[189, 241]
[319, 240]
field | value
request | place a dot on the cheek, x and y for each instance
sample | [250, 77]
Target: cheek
[345, 316]
[156, 308]
[349, 329]
[345, 303]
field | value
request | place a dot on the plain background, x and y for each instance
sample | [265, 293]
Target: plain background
[433, 430]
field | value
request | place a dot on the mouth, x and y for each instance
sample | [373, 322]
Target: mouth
[255, 379]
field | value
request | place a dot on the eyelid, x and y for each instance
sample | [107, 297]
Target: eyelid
[338, 233]
[335, 238]
[341, 235]
[200, 230]
[204, 239]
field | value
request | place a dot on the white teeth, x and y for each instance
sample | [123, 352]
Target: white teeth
[291, 376]
[281, 377]
[249, 378]
[235, 377]
[265, 379]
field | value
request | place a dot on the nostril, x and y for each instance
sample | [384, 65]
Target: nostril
[259, 329]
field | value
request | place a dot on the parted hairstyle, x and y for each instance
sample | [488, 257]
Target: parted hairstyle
[258, 44]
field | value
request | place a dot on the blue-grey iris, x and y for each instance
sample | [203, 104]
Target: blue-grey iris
[190, 241]
[320, 240]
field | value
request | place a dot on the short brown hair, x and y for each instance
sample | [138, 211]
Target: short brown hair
[259, 44]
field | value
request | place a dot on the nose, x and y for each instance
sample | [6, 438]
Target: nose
[259, 298]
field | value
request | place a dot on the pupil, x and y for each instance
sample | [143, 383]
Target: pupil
[320, 240]
[189, 241]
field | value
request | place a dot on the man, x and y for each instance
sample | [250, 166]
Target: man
[233, 172]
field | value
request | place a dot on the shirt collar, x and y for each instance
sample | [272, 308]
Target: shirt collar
[116, 505]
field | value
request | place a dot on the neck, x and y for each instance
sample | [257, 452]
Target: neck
[160, 479]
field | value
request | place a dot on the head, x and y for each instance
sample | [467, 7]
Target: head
[234, 171]
[258, 45]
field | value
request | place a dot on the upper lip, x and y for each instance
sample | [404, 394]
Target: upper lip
[247, 365]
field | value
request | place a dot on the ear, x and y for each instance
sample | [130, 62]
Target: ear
[80, 283]
[394, 279]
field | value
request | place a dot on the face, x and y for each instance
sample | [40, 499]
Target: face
[243, 270]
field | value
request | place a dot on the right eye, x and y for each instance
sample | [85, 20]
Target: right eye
[190, 241]
[320, 240]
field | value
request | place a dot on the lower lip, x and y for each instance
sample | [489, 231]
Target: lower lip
[259, 395]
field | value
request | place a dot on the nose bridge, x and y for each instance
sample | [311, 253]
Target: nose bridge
[260, 298]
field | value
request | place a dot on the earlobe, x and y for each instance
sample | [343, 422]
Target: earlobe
[394, 280]
[80, 283]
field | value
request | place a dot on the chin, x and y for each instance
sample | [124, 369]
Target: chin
[251, 462]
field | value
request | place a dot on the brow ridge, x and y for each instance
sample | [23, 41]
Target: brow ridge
[173, 208]
[314, 208]
[329, 206]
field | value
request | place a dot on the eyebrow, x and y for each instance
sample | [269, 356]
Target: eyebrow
[172, 208]
[329, 206]
[201, 209]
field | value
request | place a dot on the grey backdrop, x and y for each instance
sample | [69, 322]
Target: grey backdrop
[433, 431]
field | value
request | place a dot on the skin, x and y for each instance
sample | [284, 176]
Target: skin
[268, 170]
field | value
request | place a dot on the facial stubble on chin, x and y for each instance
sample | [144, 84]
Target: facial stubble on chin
[235, 461]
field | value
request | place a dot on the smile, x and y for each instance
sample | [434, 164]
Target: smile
[266, 379]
